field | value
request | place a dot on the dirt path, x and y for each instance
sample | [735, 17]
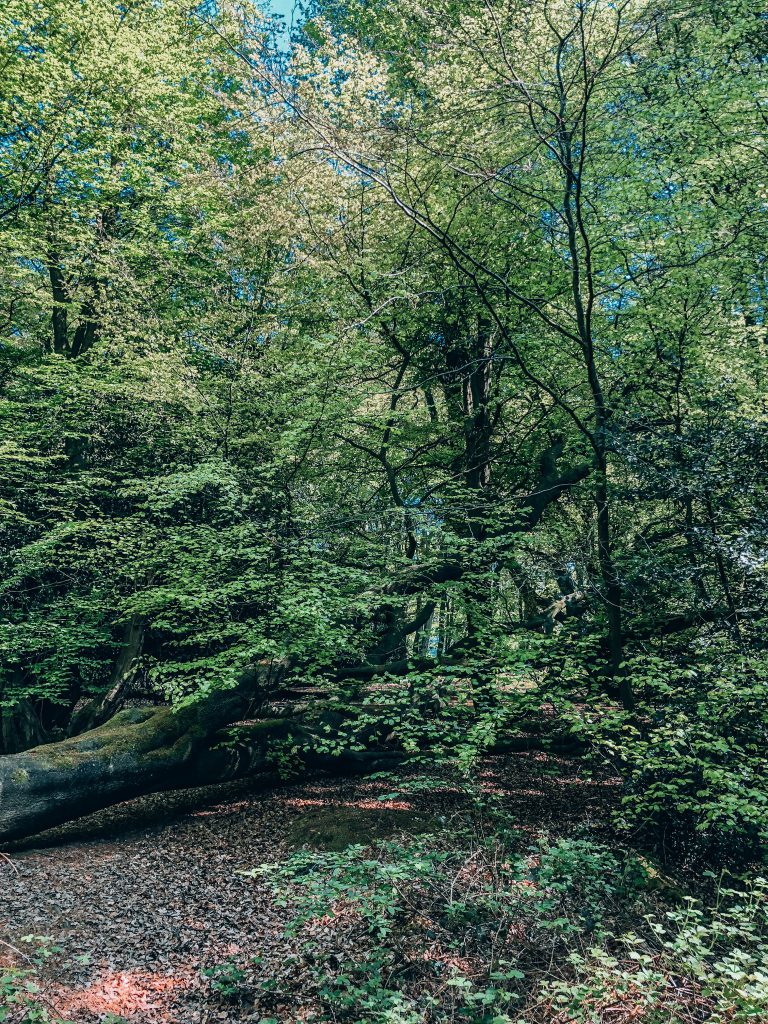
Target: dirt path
[142, 897]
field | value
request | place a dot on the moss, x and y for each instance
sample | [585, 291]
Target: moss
[20, 776]
[145, 736]
[335, 828]
[90, 745]
[137, 715]
[126, 733]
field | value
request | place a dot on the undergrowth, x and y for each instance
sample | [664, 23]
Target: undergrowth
[482, 925]
[21, 997]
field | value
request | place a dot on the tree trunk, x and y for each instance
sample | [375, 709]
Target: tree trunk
[19, 728]
[60, 300]
[148, 750]
[92, 713]
[140, 750]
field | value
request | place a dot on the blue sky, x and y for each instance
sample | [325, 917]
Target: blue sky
[284, 7]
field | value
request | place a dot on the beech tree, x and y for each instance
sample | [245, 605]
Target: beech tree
[425, 361]
[513, 156]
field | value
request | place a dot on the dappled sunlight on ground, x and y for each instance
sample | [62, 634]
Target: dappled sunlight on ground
[144, 897]
[131, 994]
[219, 810]
[363, 804]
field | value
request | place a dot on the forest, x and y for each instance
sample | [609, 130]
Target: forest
[383, 512]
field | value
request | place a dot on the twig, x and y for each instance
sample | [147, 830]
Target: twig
[7, 859]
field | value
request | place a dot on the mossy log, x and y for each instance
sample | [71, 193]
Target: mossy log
[146, 750]
[139, 750]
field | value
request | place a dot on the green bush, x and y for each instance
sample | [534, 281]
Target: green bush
[691, 756]
[708, 965]
[21, 1001]
[447, 927]
[481, 926]
[697, 770]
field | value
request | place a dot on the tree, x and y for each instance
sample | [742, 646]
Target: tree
[426, 359]
[513, 156]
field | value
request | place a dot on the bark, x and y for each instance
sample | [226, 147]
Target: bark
[147, 750]
[96, 712]
[454, 655]
[612, 595]
[20, 728]
[60, 297]
[552, 484]
[87, 330]
[694, 618]
[395, 638]
[139, 750]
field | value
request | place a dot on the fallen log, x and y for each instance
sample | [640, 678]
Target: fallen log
[149, 749]
[138, 751]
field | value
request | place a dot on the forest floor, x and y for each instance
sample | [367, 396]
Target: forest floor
[142, 898]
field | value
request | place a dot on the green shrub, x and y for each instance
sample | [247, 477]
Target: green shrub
[695, 963]
[692, 756]
[21, 1001]
[226, 979]
[446, 927]
[478, 925]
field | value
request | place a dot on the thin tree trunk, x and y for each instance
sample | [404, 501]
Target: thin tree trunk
[96, 712]
[60, 304]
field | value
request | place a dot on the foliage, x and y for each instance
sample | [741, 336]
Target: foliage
[467, 927]
[719, 952]
[439, 381]
[423, 355]
[225, 979]
[693, 762]
[21, 1001]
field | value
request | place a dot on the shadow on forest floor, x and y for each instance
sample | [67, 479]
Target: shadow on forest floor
[143, 897]
[152, 811]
